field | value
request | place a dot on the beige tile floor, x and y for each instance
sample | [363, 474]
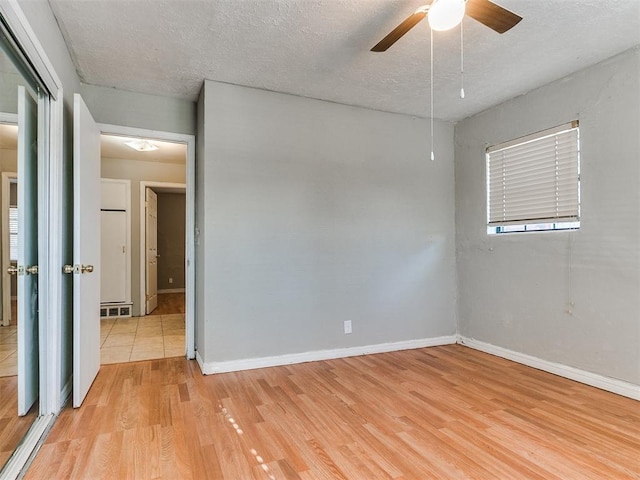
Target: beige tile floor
[8, 351]
[141, 338]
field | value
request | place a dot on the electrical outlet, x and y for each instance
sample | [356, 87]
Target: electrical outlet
[170, 280]
[347, 326]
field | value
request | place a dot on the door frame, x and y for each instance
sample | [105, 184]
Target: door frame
[7, 179]
[189, 185]
[6, 119]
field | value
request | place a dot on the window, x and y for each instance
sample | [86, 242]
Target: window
[533, 183]
[13, 234]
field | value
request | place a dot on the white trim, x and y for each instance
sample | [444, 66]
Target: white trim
[9, 118]
[6, 261]
[200, 362]
[190, 185]
[57, 224]
[66, 392]
[127, 184]
[317, 355]
[171, 290]
[609, 384]
[28, 41]
[46, 261]
[27, 448]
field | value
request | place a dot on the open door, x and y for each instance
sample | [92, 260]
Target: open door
[86, 250]
[151, 242]
[27, 269]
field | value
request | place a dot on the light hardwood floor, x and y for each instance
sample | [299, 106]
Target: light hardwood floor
[12, 427]
[435, 413]
[170, 303]
[9, 345]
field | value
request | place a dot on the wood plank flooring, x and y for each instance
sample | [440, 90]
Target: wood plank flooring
[169, 303]
[12, 427]
[435, 413]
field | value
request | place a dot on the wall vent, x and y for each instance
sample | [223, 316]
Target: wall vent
[107, 311]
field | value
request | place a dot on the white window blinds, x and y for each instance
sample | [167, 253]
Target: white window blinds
[13, 233]
[535, 179]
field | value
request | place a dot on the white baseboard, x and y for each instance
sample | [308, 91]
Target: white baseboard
[288, 359]
[171, 290]
[65, 395]
[609, 384]
[200, 362]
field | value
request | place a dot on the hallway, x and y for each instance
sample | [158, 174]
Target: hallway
[155, 336]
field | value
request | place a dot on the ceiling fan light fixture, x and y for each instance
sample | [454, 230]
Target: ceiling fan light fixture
[446, 14]
[141, 145]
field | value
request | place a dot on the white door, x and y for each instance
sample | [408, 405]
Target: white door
[86, 250]
[151, 243]
[28, 345]
[113, 257]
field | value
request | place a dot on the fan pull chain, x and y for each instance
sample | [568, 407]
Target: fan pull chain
[461, 60]
[433, 157]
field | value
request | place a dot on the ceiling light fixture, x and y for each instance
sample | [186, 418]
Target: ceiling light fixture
[141, 145]
[446, 14]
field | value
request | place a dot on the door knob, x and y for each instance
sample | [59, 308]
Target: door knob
[86, 269]
[68, 269]
[33, 269]
[12, 270]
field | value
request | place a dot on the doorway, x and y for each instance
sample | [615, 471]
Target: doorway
[9, 229]
[165, 329]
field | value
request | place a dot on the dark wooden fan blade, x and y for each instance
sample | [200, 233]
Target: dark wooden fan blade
[399, 31]
[492, 15]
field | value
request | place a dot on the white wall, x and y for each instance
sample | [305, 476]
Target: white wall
[515, 290]
[315, 213]
[137, 171]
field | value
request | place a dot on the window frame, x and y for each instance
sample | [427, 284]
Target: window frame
[544, 223]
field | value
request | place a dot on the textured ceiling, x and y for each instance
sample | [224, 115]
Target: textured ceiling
[320, 48]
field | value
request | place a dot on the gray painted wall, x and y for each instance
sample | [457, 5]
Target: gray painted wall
[316, 213]
[515, 291]
[137, 171]
[139, 110]
[171, 238]
[9, 83]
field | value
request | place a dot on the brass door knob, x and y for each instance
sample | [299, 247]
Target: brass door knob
[86, 269]
[12, 270]
[68, 269]
[33, 269]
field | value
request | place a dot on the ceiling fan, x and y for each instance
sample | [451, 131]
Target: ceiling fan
[446, 14]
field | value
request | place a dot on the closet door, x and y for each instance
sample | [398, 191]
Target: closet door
[113, 256]
[27, 269]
